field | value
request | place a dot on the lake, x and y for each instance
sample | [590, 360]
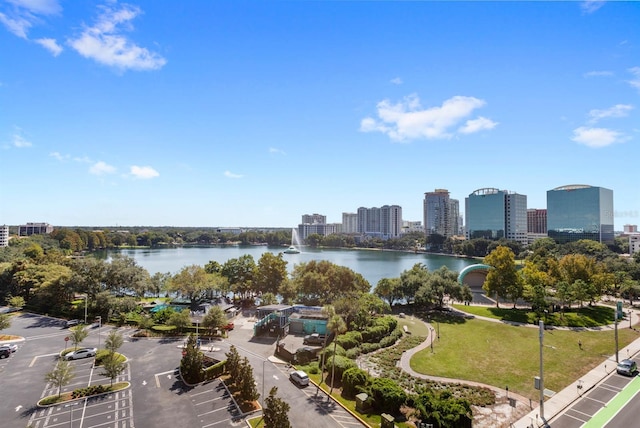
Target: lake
[373, 265]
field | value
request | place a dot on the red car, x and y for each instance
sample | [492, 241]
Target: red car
[228, 326]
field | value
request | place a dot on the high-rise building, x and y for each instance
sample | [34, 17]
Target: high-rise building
[4, 235]
[493, 214]
[536, 221]
[391, 221]
[314, 219]
[349, 223]
[384, 222]
[580, 211]
[438, 216]
[34, 229]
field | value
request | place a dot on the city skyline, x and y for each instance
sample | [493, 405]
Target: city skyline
[253, 113]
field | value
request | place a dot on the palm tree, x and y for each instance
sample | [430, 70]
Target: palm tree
[336, 326]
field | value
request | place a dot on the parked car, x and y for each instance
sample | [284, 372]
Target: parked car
[228, 326]
[299, 377]
[73, 323]
[12, 347]
[314, 339]
[627, 367]
[5, 353]
[81, 353]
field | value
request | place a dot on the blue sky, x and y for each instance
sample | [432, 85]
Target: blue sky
[253, 113]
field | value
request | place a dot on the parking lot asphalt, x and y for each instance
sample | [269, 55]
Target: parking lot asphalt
[157, 396]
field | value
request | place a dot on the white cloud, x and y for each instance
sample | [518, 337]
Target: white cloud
[59, 156]
[407, 120]
[230, 174]
[51, 45]
[105, 44]
[396, 81]
[602, 73]
[477, 125]
[101, 168]
[275, 150]
[597, 137]
[19, 142]
[590, 6]
[619, 110]
[21, 15]
[143, 172]
[635, 82]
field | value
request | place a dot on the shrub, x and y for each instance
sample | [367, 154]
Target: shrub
[328, 352]
[341, 365]
[349, 340]
[387, 396]
[215, 370]
[353, 380]
[353, 353]
[367, 348]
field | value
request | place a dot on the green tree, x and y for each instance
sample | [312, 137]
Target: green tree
[78, 334]
[322, 282]
[502, 280]
[412, 279]
[113, 366]
[214, 319]
[240, 273]
[180, 320]
[113, 342]
[389, 289]
[246, 383]
[191, 362]
[276, 411]
[336, 326]
[61, 375]
[5, 321]
[233, 362]
[16, 301]
[270, 273]
[535, 282]
[192, 282]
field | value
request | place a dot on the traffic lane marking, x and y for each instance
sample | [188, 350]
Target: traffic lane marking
[169, 375]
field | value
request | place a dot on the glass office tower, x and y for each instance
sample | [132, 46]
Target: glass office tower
[485, 214]
[579, 211]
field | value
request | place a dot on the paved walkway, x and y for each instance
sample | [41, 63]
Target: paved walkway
[554, 405]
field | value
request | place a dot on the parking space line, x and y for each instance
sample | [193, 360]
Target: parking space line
[212, 411]
[42, 356]
[216, 423]
[157, 376]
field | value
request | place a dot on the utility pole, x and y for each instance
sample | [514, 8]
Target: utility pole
[616, 328]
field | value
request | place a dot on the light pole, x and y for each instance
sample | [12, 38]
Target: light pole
[630, 312]
[70, 406]
[616, 331]
[85, 297]
[541, 370]
[431, 336]
[99, 318]
[263, 384]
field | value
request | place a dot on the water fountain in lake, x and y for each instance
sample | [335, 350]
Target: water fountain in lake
[295, 243]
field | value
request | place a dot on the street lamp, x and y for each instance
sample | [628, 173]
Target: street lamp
[263, 384]
[70, 406]
[431, 336]
[86, 298]
[99, 318]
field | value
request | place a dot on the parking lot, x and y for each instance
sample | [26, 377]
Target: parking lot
[157, 396]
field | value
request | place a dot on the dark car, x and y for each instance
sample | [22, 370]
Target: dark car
[627, 367]
[5, 353]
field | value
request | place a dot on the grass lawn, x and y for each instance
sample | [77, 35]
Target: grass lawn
[505, 355]
[587, 316]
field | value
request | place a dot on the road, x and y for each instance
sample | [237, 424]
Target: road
[607, 404]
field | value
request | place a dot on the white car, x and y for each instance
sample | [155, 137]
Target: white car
[299, 377]
[81, 353]
[10, 346]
